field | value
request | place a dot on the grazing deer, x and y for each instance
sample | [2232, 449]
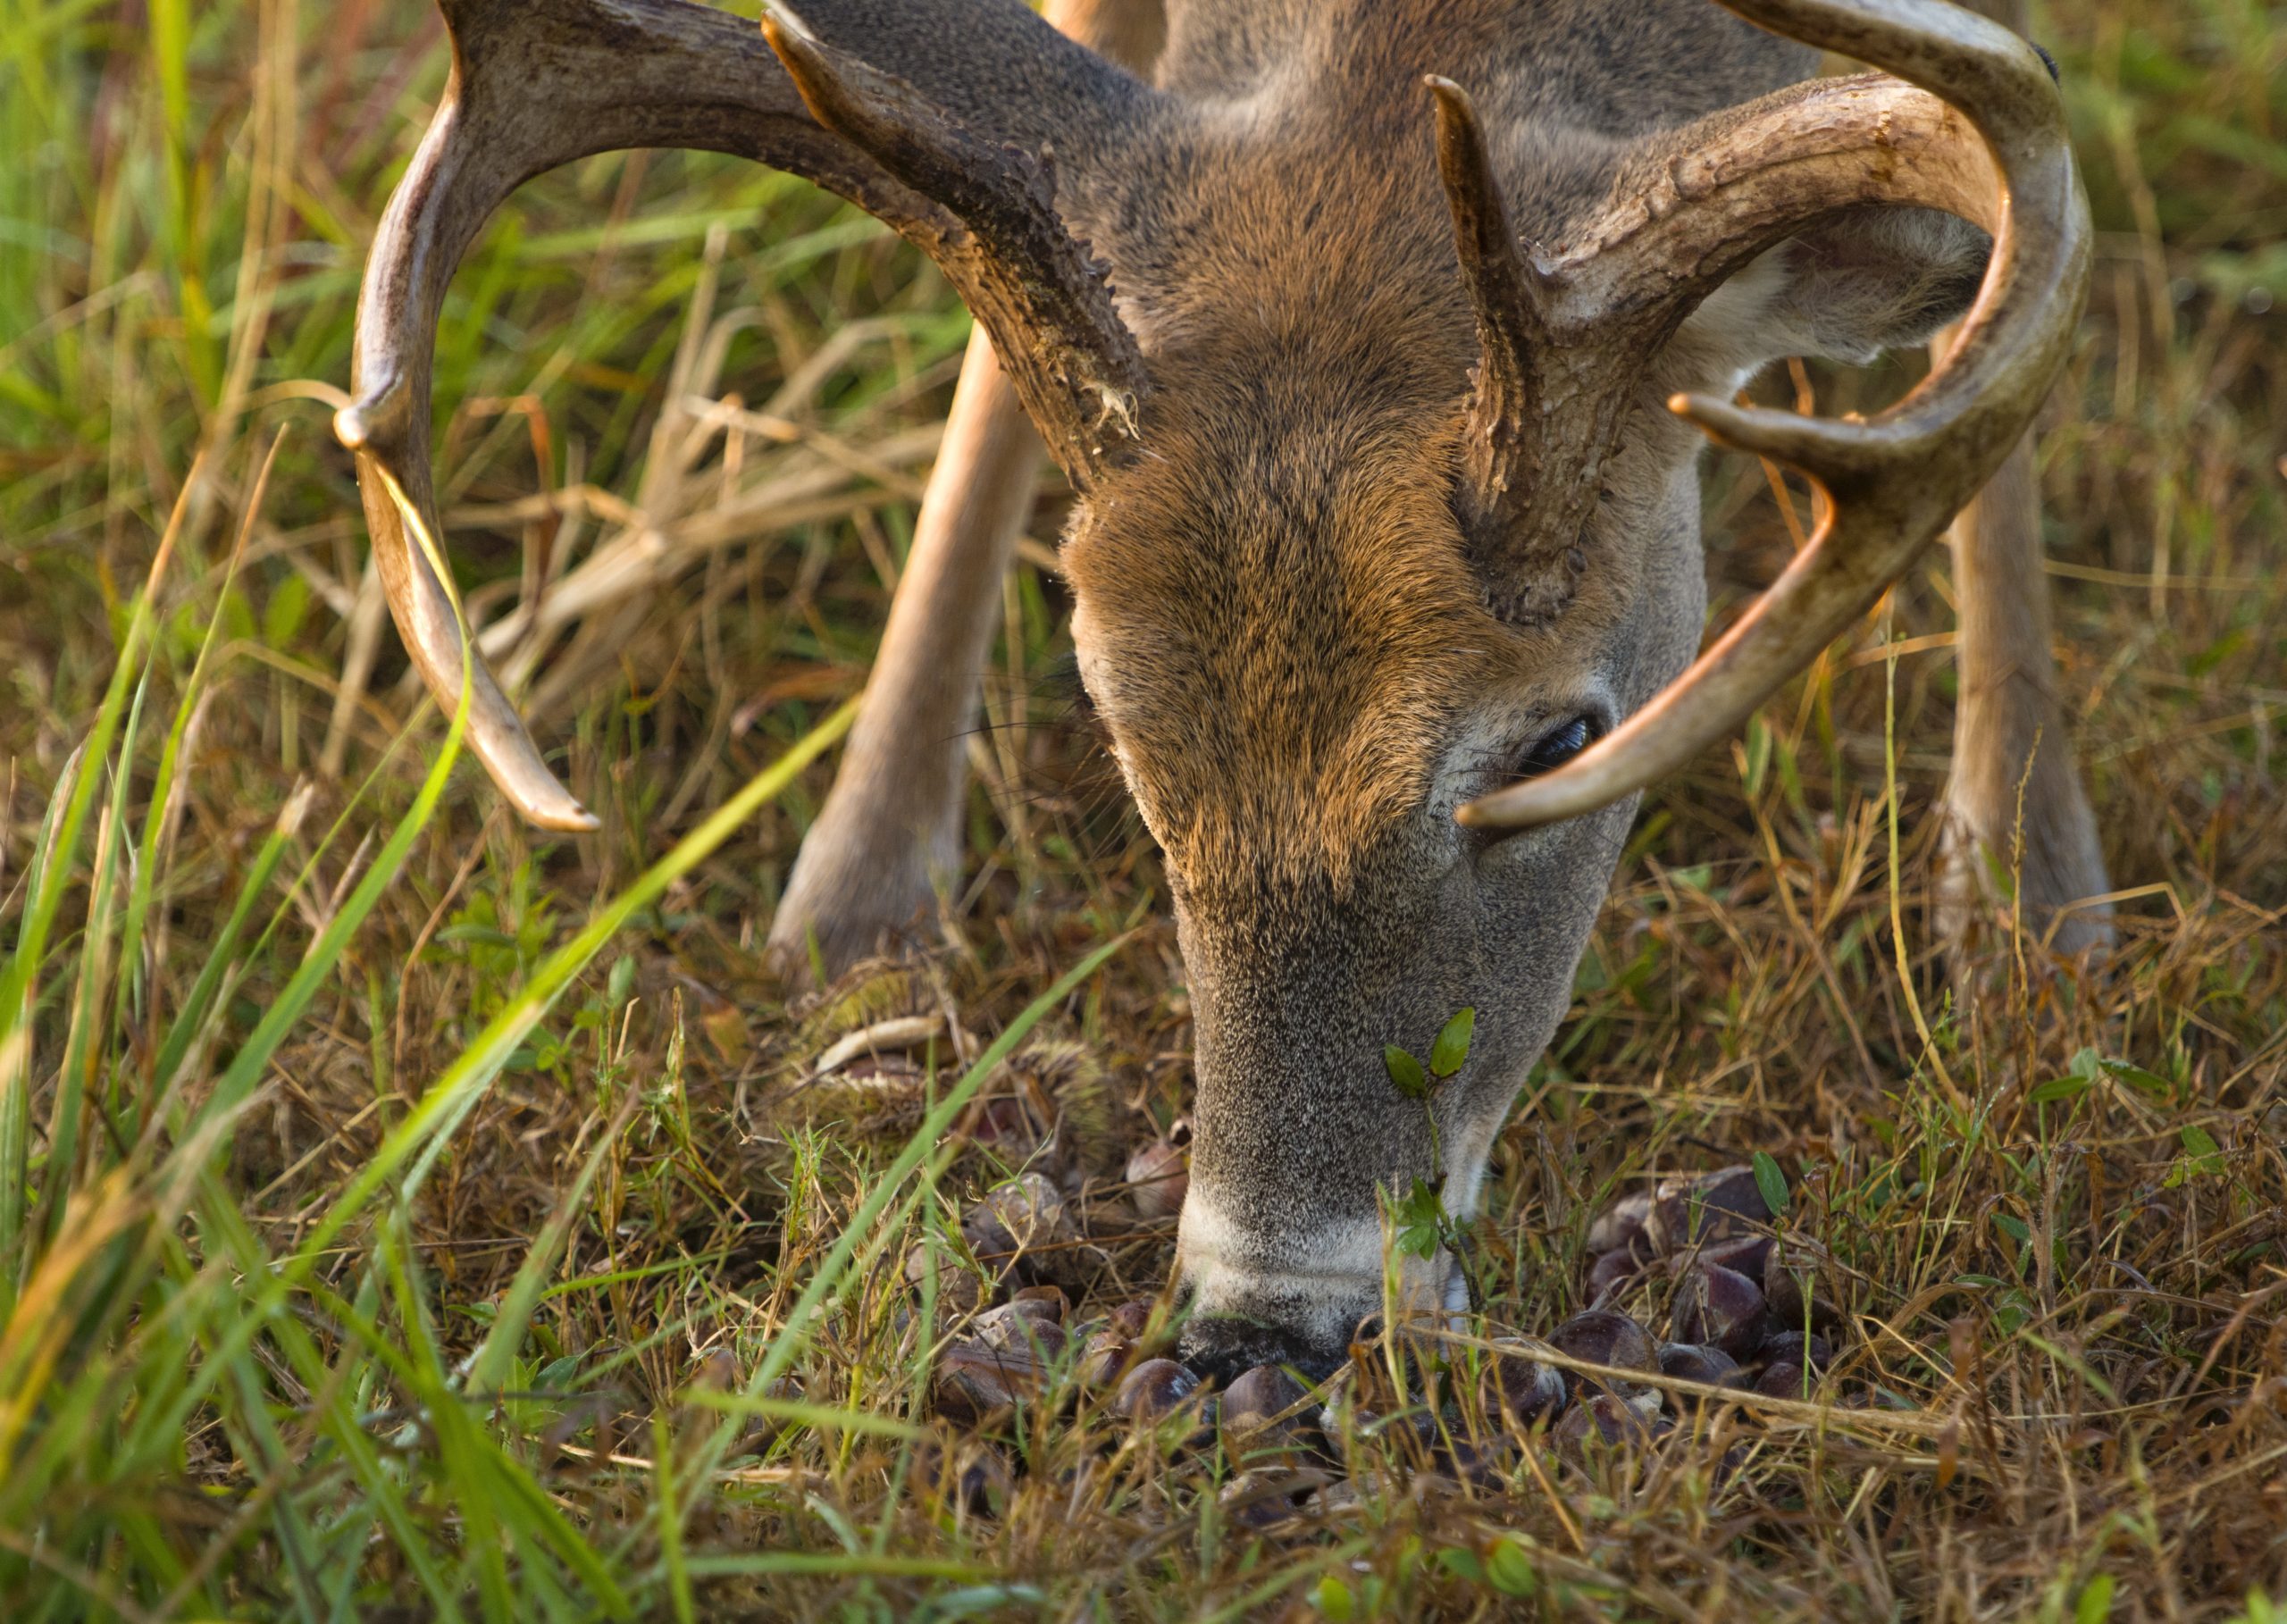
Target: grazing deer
[1375, 341]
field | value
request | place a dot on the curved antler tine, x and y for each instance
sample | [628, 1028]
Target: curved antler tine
[1897, 479]
[1504, 292]
[1023, 275]
[1532, 407]
[535, 83]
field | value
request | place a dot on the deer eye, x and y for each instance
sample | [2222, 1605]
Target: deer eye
[1557, 747]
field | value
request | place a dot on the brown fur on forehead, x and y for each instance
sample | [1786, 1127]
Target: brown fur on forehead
[1289, 629]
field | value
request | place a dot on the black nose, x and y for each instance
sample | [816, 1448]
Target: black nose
[1223, 1347]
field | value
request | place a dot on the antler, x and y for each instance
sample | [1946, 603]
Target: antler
[539, 83]
[1984, 139]
[1539, 416]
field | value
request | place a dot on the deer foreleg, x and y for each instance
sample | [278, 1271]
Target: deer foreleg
[890, 829]
[2016, 813]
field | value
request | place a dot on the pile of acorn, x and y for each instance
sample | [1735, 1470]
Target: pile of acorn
[1745, 1308]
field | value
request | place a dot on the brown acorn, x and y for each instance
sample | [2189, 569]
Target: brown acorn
[1603, 1337]
[1746, 1253]
[1104, 1357]
[1705, 1208]
[1693, 1363]
[1021, 1328]
[1812, 1352]
[1155, 1388]
[970, 1474]
[1131, 1318]
[1262, 1497]
[958, 1290]
[1621, 1224]
[1782, 1378]
[1158, 1177]
[1611, 1271]
[975, 1379]
[1794, 1286]
[1261, 1413]
[1720, 1307]
[1521, 1390]
[1600, 1419]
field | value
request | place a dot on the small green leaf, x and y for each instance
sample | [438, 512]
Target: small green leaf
[1770, 1183]
[1420, 1221]
[1334, 1599]
[1460, 1563]
[2060, 1088]
[2140, 1079]
[1406, 1072]
[2015, 1228]
[1452, 1047]
[2094, 1604]
[282, 615]
[1509, 1568]
[2207, 1156]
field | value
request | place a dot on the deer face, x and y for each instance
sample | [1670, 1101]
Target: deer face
[1386, 556]
[1280, 625]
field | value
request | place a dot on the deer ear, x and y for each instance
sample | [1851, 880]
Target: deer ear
[1864, 281]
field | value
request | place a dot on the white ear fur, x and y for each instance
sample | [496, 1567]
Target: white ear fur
[1729, 339]
[1874, 280]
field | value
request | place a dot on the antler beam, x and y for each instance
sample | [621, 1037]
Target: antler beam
[539, 83]
[1983, 137]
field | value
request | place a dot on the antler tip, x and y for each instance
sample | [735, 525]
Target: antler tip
[572, 818]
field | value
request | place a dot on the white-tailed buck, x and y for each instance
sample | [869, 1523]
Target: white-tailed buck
[1377, 338]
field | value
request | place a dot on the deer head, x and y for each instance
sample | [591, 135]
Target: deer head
[1382, 411]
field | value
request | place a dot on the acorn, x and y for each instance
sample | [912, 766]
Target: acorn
[1103, 1357]
[1042, 1303]
[1601, 1336]
[1746, 1253]
[1813, 1353]
[1022, 1227]
[1262, 1497]
[1694, 1362]
[1602, 1420]
[1611, 1271]
[1257, 1413]
[1022, 1326]
[1621, 1224]
[1782, 1378]
[1704, 1207]
[1155, 1388]
[974, 1380]
[1721, 1307]
[958, 1288]
[1131, 1318]
[1521, 1388]
[1158, 1177]
[1793, 1285]
[970, 1474]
